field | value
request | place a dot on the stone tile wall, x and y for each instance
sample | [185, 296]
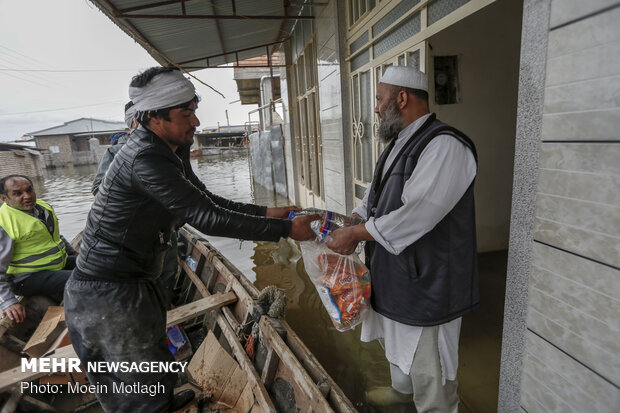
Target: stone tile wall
[571, 359]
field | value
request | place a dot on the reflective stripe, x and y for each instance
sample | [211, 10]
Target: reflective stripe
[36, 257]
[56, 261]
[35, 248]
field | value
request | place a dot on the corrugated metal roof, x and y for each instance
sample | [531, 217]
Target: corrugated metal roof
[195, 34]
[82, 125]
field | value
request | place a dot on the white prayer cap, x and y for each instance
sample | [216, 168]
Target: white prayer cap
[405, 76]
[130, 115]
[164, 90]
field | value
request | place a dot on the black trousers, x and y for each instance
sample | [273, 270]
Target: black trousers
[116, 322]
[48, 283]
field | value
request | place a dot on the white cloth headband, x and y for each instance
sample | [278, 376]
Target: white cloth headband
[163, 91]
[130, 115]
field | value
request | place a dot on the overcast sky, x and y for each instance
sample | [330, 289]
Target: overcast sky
[63, 59]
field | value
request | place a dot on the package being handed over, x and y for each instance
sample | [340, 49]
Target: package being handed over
[342, 281]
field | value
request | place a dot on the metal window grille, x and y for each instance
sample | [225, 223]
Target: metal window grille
[360, 60]
[441, 8]
[400, 10]
[359, 42]
[398, 34]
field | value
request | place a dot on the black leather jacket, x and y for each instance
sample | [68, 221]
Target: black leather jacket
[146, 193]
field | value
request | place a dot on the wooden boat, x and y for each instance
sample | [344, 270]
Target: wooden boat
[217, 301]
[285, 375]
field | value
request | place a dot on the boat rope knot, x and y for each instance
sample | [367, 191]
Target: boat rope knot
[272, 301]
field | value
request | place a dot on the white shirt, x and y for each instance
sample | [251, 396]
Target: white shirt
[445, 170]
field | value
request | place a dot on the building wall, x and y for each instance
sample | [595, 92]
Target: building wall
[267, 160]
[20, 162]
[561, 329]
[62, 141]
[488, 70]
[333, 114]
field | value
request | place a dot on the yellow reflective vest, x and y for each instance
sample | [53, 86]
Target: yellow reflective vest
[34, 248]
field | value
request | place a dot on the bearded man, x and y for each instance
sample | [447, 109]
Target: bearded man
[115, 304]
[421, 245]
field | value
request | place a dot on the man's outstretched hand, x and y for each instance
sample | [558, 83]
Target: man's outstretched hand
[280, 212]
[300, 228]
[16, 312]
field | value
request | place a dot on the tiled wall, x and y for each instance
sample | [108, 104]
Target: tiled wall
[571, 360]
[333, 93]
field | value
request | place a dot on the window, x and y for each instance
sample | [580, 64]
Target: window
[358, 9]
[307, 131]
[394, 33]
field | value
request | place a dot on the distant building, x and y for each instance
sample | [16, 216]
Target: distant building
[20, 159]
[69, 142]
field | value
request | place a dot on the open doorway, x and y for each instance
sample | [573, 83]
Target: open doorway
[473, 71]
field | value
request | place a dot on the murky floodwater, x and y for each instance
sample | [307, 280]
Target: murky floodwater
[355, 366]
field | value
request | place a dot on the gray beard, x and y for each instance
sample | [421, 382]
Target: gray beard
[390, 125]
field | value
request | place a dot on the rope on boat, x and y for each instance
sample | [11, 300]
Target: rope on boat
[272, 302]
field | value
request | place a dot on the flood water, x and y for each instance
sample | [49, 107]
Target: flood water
[355, 366]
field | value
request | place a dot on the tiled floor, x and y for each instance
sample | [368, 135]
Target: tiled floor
[481, 339]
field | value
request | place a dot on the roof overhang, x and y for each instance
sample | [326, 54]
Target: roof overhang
[248, 84]
[198, 34]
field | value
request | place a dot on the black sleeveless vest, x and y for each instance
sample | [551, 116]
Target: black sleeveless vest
[435, 279]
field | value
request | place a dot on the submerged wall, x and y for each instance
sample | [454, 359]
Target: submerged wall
[267, 160]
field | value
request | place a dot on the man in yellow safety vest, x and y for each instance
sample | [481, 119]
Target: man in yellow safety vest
[34, 257]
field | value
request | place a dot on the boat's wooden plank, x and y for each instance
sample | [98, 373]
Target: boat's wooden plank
[5, 325]
[197, 308]
[245, 303]
[269, 370]
[301, 377]
[11, 404]
[202, 289]
[259, 390]
[317, 374]
[238, 351]
[338, 400]
[40, 406]
[11, 377]
[221, 263]
[319, 403]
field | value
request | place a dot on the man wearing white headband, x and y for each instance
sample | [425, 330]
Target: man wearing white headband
[115, 305]
[421, 247]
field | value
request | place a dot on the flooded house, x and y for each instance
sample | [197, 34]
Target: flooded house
[76, 142]
[533, 83]
[20, 158]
